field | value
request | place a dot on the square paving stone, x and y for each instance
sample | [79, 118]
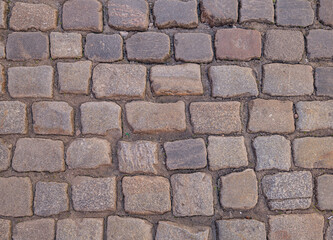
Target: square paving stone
[5, 155]
[66, 45]
[325, 192]
[13, 115]
[217, 13]
[3, 14]
[320, 44]
[41, 229]
[324, 81]
[325, 12]
[5, 229]
[257, 10]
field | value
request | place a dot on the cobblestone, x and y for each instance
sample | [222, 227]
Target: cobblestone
[5, 229]
[66, 45]
[2, 51]
[217, 13]
[325, 15]
[3, 14]
[325, 192]
[13, 115]
[329, 232]
[257, 10]
[324, 81]
[41, 229]
[5, 155]
[319, 44]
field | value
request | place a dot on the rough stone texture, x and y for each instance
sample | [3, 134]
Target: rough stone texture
[5, 156]
[239, 190]
[13, 117]
[272, 116]
[3, 14]
[325, 13]
[173, 231]
[85, 15]
[154, 118]
[217, 13]
[325, 191]
[284, 45]
[241, 229]
[226, 152]
[22, 46]
[37, 154]
[329, 231]
[26, 16]
[193, 47]
[192, 194]
[128, 15]
[94, 194]
[237, 44]
[175, 13]
[257, 10]
[88, 153]
[232, 81]
[149, 47]
[112, 81]
[2, 80]
[2, 51]
[5, 229]
[138, 157]
[290, 204]
[40, 229]
[66, 45]
[31, 82]
[320, 44]
[215, 117]
[324, 81]
[16, 197]
[296, 226]
[126, 228]
[146, 195]
[184, 79]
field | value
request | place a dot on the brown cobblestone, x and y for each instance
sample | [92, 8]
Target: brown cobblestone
[3, 14]
[2, 50]
[2, 80]
[13, 115]
[217, 13]
[5, 229]
[41, 229]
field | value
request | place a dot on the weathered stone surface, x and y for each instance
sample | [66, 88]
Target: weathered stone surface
[2, 51]
[215, 117]
[126, 228]
[66, 45]
[237, 44]
[5, 229]
[320, 44]
[13, 115]
[26, 16]
[241, 229]
[226, 152]
[186, 154]
[284, 45]
[173, 231]
[324, 81]
[175, 13]
[138, 157]
[119, 81]
[37, 154]
[94, 194]
[239, 190]
[290, 204]
[2, 80]
[40, 229]
[22, 46]
[16, 197]
[148, 117]
[325, 191]
[217, 13]
[128, 15]
[193, 47]
[146, 195]
[325, 14]
[31, 82]
[149, 47]
[5, 155]
[232, 81]
[257, 10]
[3, 14]
[296, 226]
[329, 231]
[192, 194]
[85, 15]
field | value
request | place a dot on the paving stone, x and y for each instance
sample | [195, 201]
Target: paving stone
[320, 44]
[31, 82]
[37, 154]
[128, 15]
[88, 153]
[193, 47]
[313, 152]
[294, 13]
[324, 81]
[272, 116]
[5, 229]
[127, 228]
[2, 80]
[51, 198]
[296, 226]
[26, 16]
[138, 157]
[84, 15]
[232, 81]
[284, 45]
[314, 115]
[215, 117]
[66, 45]
[257, 10]
[3, 14]
[16, 197]
[175, 13]
[5, 156]
[173, 231]
[226, 152]
[241, 229]
[325, 192]
[40, 229]
[237, 44]
[74, 77]
[149, 47]
[53, 118]
[192, 194]
[329, 231]
[94, 194]
[146, 195]
[80, 228]
[217, 13]
[13, 115]
[154, 118]
[239, 190]
[22, 46]
[325, 13]
[101, 118]
[287, 204]
[112, 81]
[2, 50]
[186, 154]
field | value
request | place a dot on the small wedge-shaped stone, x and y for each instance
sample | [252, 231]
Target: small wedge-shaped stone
[13, 115]
[40, 229]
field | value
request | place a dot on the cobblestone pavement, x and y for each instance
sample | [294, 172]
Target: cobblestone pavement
[166, 119]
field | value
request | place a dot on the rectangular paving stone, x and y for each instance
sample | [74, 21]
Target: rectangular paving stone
[325, 192]
[3, 14]
[324, 81]
[5, 229]
[2, 80]
[329, 231]
[290, 204]
[2, 50]
[40, 229]
[257, 10]
[66, 45]
[217, 13]
[13, 115]
[320, 44]
[325, 13]
[5, 155]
